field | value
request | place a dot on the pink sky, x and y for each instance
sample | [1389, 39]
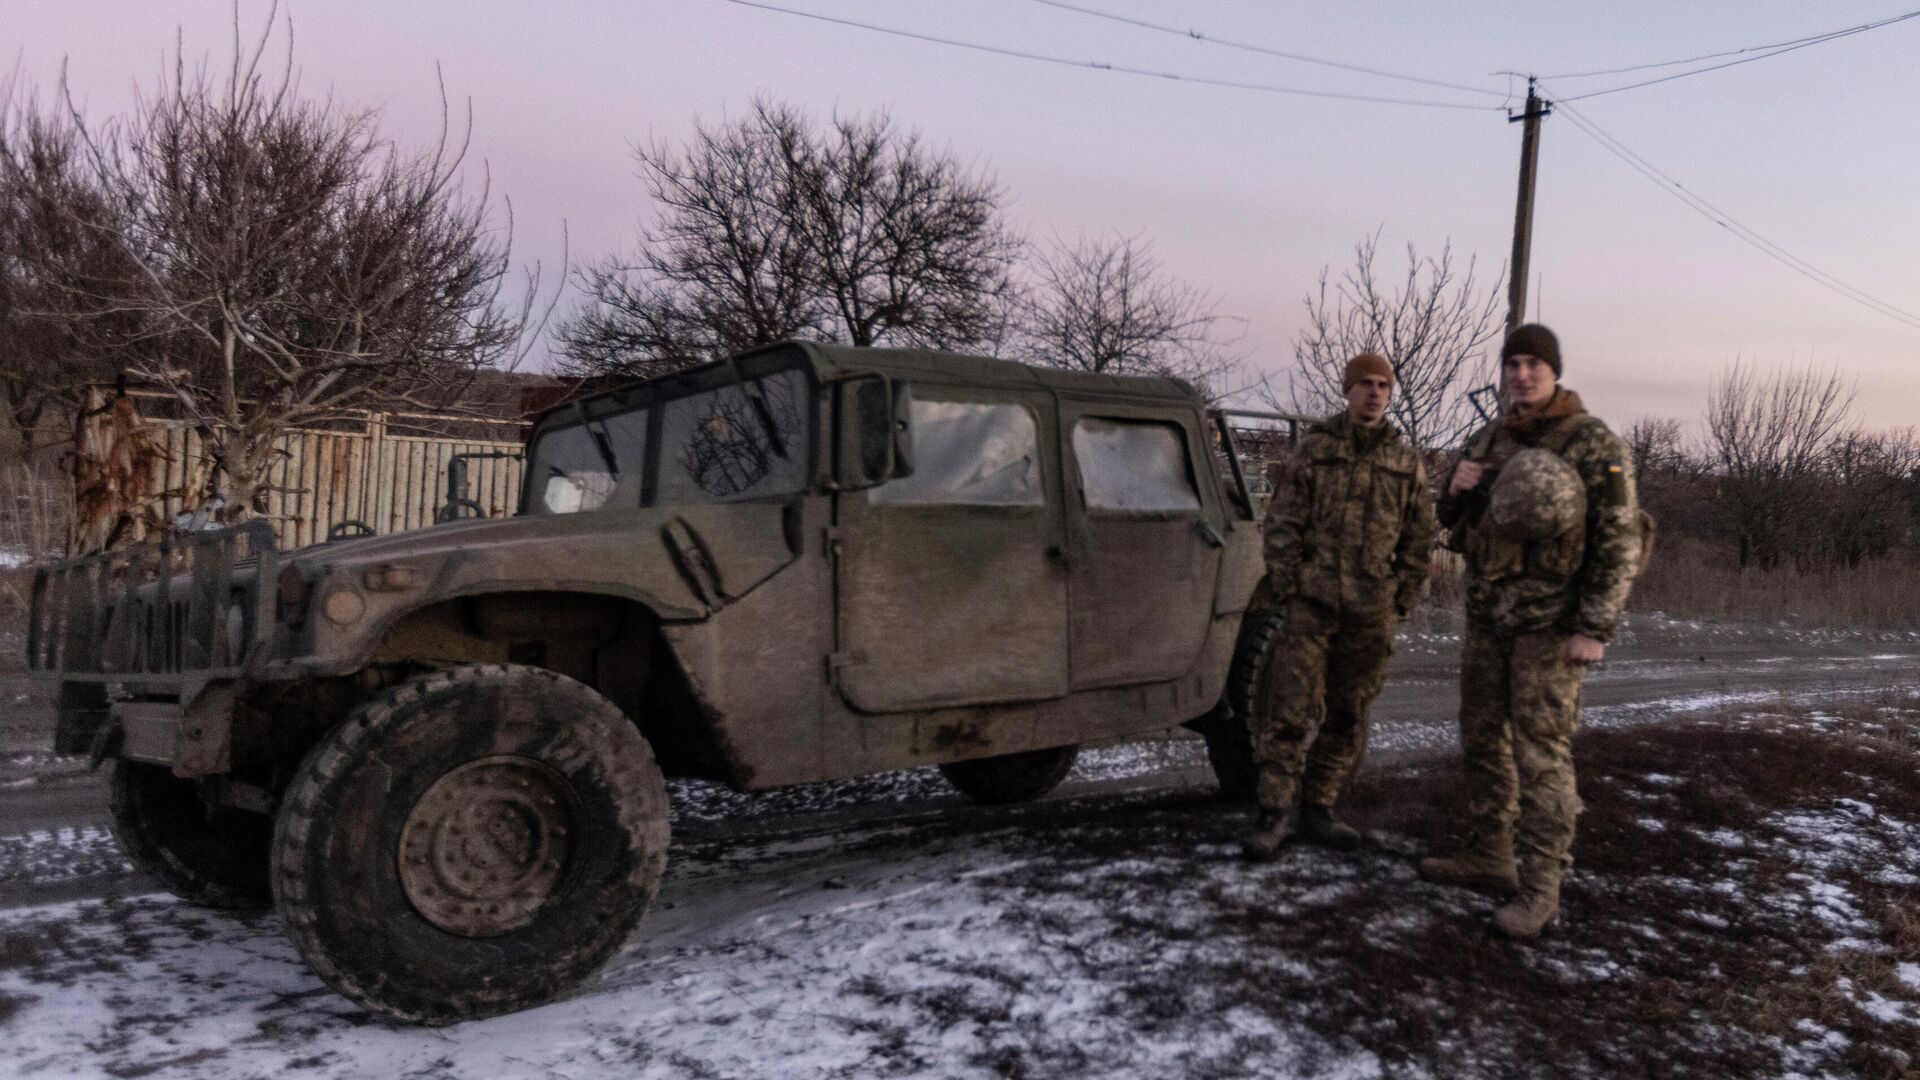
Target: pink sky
[1246, 195]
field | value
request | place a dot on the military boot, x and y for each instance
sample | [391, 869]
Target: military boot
[1536, 908]
[1269, 834]
[1319, 826]
[1487, 867]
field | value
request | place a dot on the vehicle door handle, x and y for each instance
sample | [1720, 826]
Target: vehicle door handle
[1058, 555]
[1210, 534]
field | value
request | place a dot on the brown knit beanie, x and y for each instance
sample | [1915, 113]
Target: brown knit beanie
[1532, 339]
[1363, 365]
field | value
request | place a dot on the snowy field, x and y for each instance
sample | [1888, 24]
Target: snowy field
[1745, 905]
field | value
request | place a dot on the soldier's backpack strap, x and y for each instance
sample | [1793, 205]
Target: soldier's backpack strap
[1481, 442]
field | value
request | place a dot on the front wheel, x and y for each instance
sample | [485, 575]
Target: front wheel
[1010, 778]
[475, 841]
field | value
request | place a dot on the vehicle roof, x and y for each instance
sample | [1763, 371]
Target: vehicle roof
[933, 365]
[915, 365]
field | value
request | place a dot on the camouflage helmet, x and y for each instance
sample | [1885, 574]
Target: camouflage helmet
[1536, 496]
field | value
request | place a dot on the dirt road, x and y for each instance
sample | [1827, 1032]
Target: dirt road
[1662, 668]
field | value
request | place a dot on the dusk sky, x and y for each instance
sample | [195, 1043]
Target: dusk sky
[1244, 194]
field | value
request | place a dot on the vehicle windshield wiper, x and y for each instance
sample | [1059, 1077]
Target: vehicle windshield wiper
[599, 436]
[757, 397]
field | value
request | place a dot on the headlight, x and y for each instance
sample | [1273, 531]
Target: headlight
[343, 607]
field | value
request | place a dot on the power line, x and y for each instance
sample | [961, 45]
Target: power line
[1805, 44]
[1811, 39]
[1268, 88]
[1209, 39]
[1726, 221]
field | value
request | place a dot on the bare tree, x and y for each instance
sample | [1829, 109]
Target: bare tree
[724, 268]
[279, 264]
[1767, 437]
[1433, 328]
[1867, 503]
[1658, 447]
[54, 226]
[768, 228]
[1103, 305]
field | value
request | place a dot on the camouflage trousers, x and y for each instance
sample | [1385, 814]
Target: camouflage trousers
[1310, 731]
[1519, 708]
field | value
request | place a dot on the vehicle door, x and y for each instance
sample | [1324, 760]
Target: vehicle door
[1145, 537]
[950, 583]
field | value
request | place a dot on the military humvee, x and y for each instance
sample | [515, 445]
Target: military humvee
[441, 753]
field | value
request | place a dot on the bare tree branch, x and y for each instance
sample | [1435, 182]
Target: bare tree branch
[1433, 328]
[1103, 305]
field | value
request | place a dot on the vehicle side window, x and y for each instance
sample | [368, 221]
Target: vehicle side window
[971, 454]
[1138, 465]
[724, 445]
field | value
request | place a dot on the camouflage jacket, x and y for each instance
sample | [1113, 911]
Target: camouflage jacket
[1576, 582]
[1351, 526]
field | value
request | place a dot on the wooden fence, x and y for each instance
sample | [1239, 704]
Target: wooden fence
[388, 470]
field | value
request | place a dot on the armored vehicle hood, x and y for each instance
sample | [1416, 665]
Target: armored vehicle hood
[684, 562]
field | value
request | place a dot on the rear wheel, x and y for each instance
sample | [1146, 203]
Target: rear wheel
[475, 841]
[1010, 778]
[1229, 742]
[216, 857]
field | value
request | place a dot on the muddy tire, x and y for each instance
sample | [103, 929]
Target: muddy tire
[472, 842]
[1011, 778]
[216, 859]
[1229, 746]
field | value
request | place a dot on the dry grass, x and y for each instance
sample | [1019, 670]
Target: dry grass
[1691, 579]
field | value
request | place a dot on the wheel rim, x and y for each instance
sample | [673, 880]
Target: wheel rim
[486, 846]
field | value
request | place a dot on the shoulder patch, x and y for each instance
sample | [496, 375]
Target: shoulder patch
[1616, 480]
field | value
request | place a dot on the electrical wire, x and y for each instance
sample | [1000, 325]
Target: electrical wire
[1811, 39]
[1726, 221]
[1806, 44]
[1268, 88]
[1209, 39]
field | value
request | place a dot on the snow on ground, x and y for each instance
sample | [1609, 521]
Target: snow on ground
[1742, 907]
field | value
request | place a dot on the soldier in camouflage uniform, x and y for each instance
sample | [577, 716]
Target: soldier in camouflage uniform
[1542, 506]
[1349, 539]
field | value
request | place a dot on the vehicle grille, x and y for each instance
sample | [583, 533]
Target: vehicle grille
[196, 605]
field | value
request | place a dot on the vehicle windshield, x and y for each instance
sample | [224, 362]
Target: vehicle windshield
[744, 440]
[576, 467]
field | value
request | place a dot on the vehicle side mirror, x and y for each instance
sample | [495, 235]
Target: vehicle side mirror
[874, 432]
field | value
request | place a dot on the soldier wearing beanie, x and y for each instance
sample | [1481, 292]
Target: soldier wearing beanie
[1349, 538]
[1542, 505]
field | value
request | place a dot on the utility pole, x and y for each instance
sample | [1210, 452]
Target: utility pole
[1523, 208]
